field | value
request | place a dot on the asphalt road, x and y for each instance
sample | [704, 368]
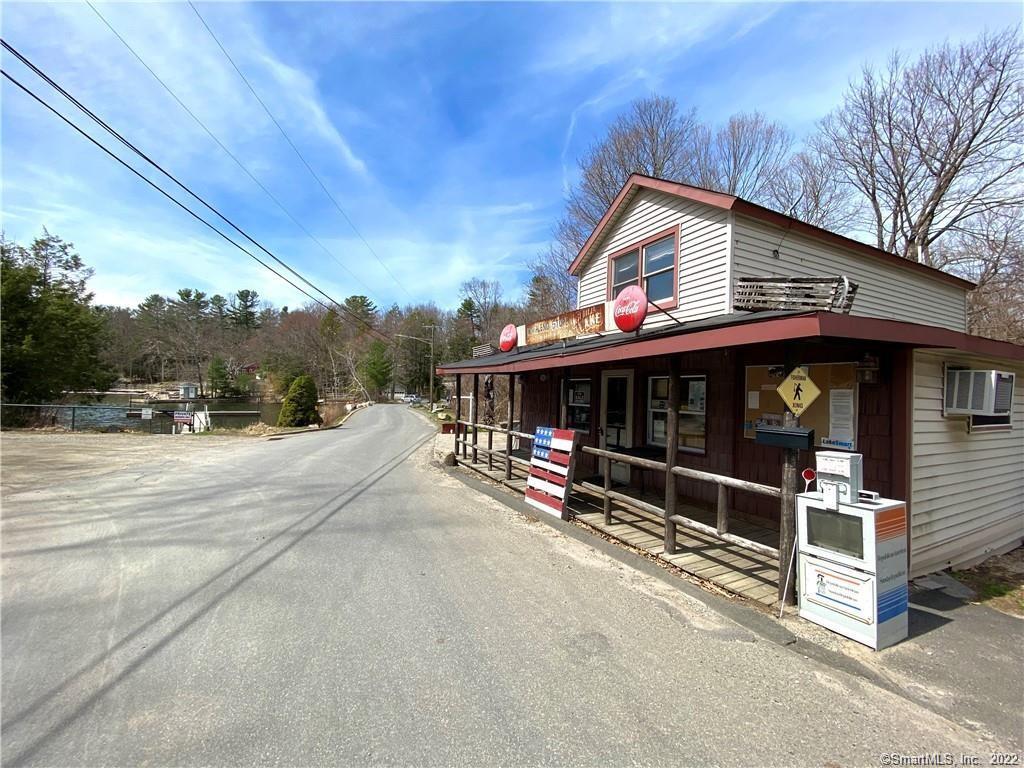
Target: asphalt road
[333, 599]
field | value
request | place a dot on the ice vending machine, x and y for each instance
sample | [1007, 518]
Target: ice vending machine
[852, 555]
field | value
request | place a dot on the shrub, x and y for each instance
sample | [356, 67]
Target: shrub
[299, 406]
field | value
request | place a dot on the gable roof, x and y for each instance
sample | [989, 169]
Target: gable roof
[725, 202]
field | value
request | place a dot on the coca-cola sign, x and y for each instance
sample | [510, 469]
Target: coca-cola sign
[630, 309]
[509, 337]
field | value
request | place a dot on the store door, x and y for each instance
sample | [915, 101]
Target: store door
[617, 417]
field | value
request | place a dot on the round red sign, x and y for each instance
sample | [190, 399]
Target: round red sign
[630, 309]
[509, 337]
[808, 474]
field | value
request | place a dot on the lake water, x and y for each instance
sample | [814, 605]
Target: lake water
[111, 413]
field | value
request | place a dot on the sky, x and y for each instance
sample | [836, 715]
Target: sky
[447, 134]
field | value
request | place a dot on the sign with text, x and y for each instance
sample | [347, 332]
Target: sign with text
[551, 470]
[147, 413]
[578, 322]
[183, 417]
[798, 391]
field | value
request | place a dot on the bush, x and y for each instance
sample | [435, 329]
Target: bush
[299, 406]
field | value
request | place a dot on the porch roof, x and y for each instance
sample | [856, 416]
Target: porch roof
[729, 330]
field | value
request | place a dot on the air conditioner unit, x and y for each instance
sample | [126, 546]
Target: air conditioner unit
[978, 393]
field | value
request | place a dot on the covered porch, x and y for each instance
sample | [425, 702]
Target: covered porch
[667, 460]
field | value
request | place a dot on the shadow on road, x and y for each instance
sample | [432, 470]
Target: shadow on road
[325, 511]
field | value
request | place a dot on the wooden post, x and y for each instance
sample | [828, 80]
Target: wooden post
[787, 520]
[723, 509]
[563, 413]
[73, 411]
[671, 453]
[458, 412]
[511, 416]
[606, 470]
[475, 410]
[490, 449]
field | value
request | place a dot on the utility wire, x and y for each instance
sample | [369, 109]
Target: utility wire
[298, 153]
[155, 186]
[229, 153]
[170, 176]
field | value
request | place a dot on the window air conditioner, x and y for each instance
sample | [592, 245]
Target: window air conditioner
[978, 393]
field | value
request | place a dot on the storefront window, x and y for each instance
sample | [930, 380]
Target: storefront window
[692, 396]
[578, 405]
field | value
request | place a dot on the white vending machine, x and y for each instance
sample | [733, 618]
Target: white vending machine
[852, 555]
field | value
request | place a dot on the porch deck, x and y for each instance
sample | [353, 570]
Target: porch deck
[733, 568]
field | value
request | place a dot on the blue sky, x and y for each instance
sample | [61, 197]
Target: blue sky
[448, 132]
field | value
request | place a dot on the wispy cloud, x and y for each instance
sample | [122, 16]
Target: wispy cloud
[447, 131]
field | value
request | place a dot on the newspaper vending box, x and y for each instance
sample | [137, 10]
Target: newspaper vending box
[852, 555]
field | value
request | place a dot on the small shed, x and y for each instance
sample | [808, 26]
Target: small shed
[188, 391]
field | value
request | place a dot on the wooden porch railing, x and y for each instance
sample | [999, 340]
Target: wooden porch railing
[724, 483]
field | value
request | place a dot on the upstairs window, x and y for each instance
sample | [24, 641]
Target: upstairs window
[651, 265]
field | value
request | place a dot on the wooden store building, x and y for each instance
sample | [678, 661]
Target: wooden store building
[736, 296]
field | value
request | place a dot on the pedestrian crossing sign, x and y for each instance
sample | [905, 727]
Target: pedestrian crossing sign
[797, 390]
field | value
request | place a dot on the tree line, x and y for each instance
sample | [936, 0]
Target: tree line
[922, 158]
[57, 340]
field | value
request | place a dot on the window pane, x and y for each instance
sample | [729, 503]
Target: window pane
[579, 392]
[659, 388]
[624, 268]
[659, 255]
[617, 289]
[578, 417]
[693, 393]
[661, 287]
[691, 432]
[657, 424]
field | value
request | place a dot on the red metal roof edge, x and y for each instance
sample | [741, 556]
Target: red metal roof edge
[753, 210]
[816, 324]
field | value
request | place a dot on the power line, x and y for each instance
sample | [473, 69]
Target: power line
[229, 153]
[155, 186]
[188, 210]
[113, 132]
[298, 153]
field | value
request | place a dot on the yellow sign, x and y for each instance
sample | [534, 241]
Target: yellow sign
[797, 390]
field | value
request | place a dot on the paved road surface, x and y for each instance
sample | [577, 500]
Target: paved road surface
[332, 599]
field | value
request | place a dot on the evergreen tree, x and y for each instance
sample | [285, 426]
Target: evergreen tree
[299, 406]
[244, 311]
[377, 368]
[51, 337]
[217, 376]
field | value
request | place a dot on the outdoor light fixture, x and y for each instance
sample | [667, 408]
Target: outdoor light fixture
[867, 369]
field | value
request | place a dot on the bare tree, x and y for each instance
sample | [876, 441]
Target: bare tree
[809, 188]
[931, 144]
[990, 253]
[552, 289]
[745, 157]
[486, 298]
[653, 138]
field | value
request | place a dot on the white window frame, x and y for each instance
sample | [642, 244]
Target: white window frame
[645, 275]
[650, 411]
[588, 405]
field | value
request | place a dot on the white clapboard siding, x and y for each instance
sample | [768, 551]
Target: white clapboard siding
[967, 490]
[885, 290]
[703, 237]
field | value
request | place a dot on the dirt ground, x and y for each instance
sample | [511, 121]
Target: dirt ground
[32, 458]
[999, 582]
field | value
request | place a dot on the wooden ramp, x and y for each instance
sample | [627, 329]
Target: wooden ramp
[736, 569]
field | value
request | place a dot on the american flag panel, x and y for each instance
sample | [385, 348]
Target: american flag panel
[550, 469]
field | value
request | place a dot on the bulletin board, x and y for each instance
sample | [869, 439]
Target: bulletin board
[833, 416]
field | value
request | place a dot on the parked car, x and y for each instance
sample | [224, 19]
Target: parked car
[412, 399]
